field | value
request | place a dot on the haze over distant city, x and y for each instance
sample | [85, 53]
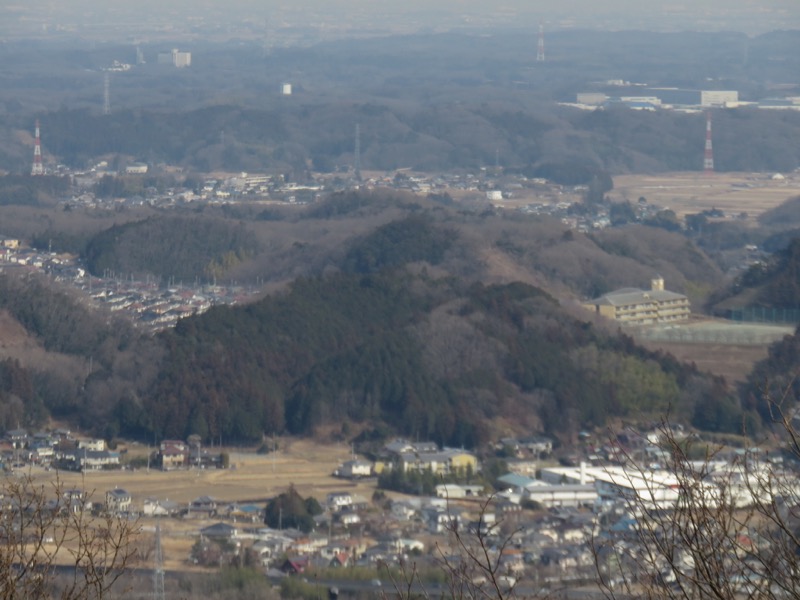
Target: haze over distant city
[326, 20]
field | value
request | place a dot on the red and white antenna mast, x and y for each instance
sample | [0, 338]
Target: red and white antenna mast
[708, 159]
[38, 168]
[540, 47]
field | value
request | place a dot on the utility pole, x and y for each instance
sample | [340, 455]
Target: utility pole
[158, 568]
[106, 94]
[540, 47]
[708, 158]
[357, 153]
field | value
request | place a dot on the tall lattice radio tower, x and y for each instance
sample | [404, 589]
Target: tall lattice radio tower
[540, 46]
[38, 167]
[708, 157]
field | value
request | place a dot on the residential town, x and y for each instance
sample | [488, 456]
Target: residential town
[156, 305]
[150, 304]
[545, 521]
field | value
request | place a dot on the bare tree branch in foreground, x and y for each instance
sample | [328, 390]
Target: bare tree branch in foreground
[705, 527]
[46, 531]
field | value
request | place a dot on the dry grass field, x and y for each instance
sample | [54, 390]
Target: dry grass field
[252, 477]
[732, 362]
[683, 192]
[692, 192]
[730, 349]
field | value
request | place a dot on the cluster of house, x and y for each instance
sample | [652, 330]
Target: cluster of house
[354, 532]
[630, 471]
[155, 307]
[257, 187]
[147, 302]
[118, 501]
[527, 542]
[238, 188]
[13, 253]
[419, 457]
[540, 526]
[58, 448]
[483, 184]
[177, 454]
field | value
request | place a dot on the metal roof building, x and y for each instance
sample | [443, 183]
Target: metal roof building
[642, 307]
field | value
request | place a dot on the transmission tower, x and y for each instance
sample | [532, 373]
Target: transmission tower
[106, 94]
[357, 153]
[38, 167]
[708, 158]
[158, 570]
[540, 47]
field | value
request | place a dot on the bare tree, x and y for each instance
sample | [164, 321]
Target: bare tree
[471, 561]
[48, 534]
[707, 526]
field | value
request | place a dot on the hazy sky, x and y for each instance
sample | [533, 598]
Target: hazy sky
[21, 18]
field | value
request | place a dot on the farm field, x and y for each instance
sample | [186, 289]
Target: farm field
[306, 464]
[691, 192]
[682, 192]
[733, 363]
[719, 347]
[252, 478]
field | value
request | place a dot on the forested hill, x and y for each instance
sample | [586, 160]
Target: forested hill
[431, 101]
[538, 139]
[399, 313]
[168, 246]
[773, 387]
[406, 353]
[430, 324]
[774, 283]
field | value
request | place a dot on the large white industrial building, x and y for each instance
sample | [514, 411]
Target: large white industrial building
[608, 486]
[176, 58]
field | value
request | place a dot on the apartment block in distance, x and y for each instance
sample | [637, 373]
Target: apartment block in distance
[642, 307]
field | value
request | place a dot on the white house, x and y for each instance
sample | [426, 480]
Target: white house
[350, 518]
[153, 507]
[353, 469]
[336, 501]
[118, 500]
[96, 445]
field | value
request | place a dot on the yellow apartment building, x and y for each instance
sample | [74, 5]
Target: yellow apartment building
[642, 307]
